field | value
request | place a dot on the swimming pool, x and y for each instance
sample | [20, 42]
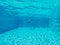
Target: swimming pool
[29, 23]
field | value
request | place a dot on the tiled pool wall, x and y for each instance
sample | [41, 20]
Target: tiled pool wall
[32, 10]
[23, 20]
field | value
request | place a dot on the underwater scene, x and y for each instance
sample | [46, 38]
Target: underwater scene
[29, 22]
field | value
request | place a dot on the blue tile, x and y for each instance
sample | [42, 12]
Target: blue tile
[8, 22]
[58, 20]
[34, 22]
[20, 0]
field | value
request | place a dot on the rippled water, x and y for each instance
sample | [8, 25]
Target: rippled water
[32, 22]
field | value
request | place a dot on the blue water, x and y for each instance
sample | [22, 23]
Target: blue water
[32, 22]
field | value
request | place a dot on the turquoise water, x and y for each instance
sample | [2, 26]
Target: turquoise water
[29, 22]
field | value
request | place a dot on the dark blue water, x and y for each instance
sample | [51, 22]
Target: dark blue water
[35, 22]
[7, 21]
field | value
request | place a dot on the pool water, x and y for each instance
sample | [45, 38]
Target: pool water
[32, 22]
